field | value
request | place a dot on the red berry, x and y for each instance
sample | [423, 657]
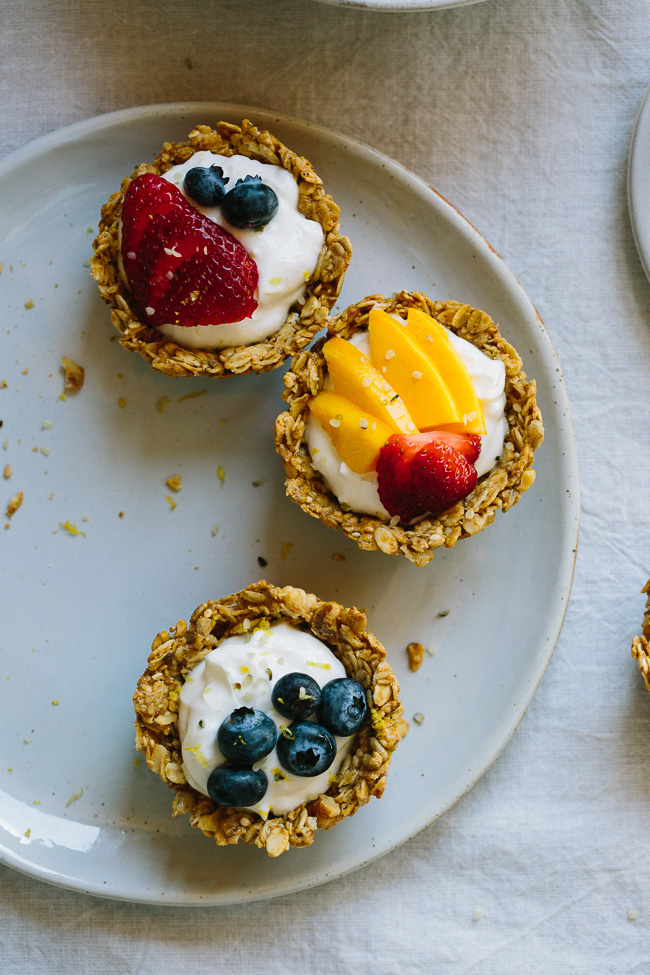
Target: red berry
[426, 472]
[146, 196]
[182, 267]
[394, 478]
[441, 476]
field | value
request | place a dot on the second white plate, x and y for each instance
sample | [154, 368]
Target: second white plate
[638, 182]
[80, 611]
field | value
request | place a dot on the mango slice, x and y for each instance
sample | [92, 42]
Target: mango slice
[433, 339]
[355, 378]
[356, 434]
[409, 369]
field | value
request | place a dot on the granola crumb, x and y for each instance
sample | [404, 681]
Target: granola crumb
[286, 548]
[215, 530]
[478, 914]
[632, 915]
[338, 557]
[221, 474]
[74, 798]
[8, 471]
[199, 392]
[418, 717]
[14, 504]
[160, 405]
[174, 483]
[74, 373]
[121, 402]
[3, 383]
[29, 304]
[71, 529]
[172, 503]
[46, 425]
[416, 655]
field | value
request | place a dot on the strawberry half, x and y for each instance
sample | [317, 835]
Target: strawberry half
[182, 267]
[394, 477]
[441, 476]
[426, 472]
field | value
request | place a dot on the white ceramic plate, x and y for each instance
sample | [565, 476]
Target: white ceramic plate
[638, 182]
[79, 612]
[401, 5]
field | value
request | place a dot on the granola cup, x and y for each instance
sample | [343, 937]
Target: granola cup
[500, 488]
[304, 320]
[363, 771]
[641, 644]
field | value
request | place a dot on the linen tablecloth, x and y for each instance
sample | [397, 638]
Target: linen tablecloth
[520, 112]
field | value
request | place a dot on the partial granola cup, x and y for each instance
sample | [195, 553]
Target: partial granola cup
[500, 488]
[641, 644]
[255, 611]
[319, 286]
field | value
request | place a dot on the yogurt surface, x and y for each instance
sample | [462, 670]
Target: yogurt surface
[286, 252]
[359, 491]
[241, 672]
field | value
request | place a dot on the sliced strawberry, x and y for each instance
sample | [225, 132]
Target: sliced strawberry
[468, 444]
[182, 267]
[441, 476]
[206, 292]
[424, 472]
[162, 251]
[394, 477]
[147, 195]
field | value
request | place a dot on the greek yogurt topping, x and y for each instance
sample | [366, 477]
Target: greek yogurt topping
[242, 672]
[286, 252]
[359, 491]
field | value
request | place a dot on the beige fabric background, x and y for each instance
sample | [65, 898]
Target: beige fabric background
[520, 112]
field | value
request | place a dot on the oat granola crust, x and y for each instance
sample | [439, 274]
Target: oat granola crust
[363, 772]
[303, 322]
[499, 489]
[641, 644]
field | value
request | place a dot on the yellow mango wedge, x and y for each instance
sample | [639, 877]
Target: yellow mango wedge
[433, 339]
[410, 370]
[356, 434]
[355, 378]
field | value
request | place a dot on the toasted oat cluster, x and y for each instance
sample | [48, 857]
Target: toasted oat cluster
[363, 772]
[641, 644]
[304, 320]
[501, 488]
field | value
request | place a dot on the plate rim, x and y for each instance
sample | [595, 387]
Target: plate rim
[638, 154]
[399, 6]
[77, 131]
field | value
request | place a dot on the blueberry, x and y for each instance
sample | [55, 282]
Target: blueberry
[231, 785]
[249, 204]
[343, 706]
[306, 748]
[246, 736]
[206, 185]
[296, 695]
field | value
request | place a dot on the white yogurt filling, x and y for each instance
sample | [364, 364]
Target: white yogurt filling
[286, 252]
[242, 672]
[359, 491]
